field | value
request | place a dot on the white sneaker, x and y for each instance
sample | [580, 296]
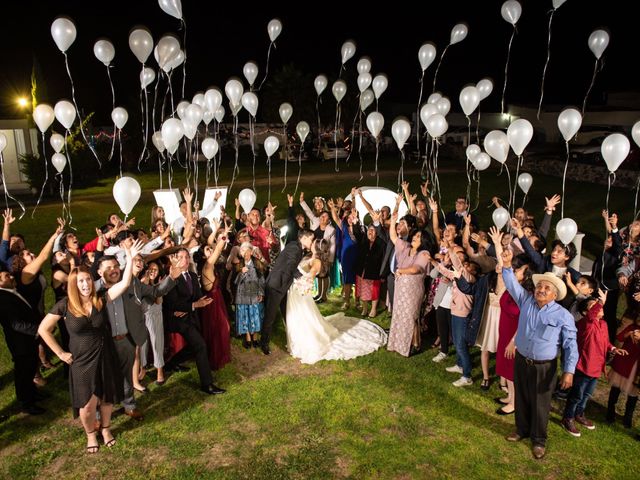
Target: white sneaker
[454, 369]
[439, 357]
[462, 382]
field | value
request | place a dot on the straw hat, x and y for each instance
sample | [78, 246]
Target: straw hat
[555, 281]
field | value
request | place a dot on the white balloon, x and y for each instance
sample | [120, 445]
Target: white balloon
[434, 97]
[126, 192]
[426, 111]
[615, 149]
[274, 27]
[181, 109]
[141, 44]
[285, 111]
[302, 129]
[147, 76]
[364, 65]
[469, 99]
[511, 11]
[271, 145]
[209, 147]
[558, 3]
[104, 51]
[234, 90]
[569, 122]
[57, 142]
[193, 114]
[168, 49]
[635, 133]
[496, 145]
[400, 131]
[366, 99]
[364, 80]
[379, 85]
[213, 99]
[43, 116]
[426, 55]
[472, 152]
[519, 134]
[375, 123]
[500, 217]
[250, 103]
[175, 61]
[458, 33]
[65, 113]
[482, 161]
[339, 90]
[119, 116]
[172, 132]
[348, 50]
[190, 128]
[485, 87]
[320, 83]
[598, 42]
[443, 105]
[437, 125]
[525, 180]
[207, 116]
[172, 148]
[198, 99]
[156, 139]
[172, 7]
[63, 31]
[247, 199]
[250, 72]
[59, 161]
[235, 108]
[219, 115]
[566, 230]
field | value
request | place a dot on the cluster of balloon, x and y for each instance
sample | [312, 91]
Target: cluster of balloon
[519, 134]
[480, 161]
[247, 199]
[271, 145]
[7, 195]
[141, 45]
[285, 111]
[126, 192]
[365, 99]
[614, 149]
[569, 122]
[556, 5]
[274, 28]
[214, 111]
[400, 131]
[375, 123]
[174, 8]
[120, 116]
[510, 11]
[458, 33]
[302, 129]
[63, 31]
[432, 115]
[598, 43]
[635, 134]
[485, 88]
[65, 113]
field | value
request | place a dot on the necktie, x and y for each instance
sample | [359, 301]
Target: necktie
[187, 279]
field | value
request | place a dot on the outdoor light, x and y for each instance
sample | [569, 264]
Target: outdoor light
[23, 102]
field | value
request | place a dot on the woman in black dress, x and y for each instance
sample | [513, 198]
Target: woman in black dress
[95, 379]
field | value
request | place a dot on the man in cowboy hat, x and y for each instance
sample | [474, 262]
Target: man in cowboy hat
[543, 326]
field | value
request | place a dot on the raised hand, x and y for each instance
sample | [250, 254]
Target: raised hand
[131, 222]
[433, 205]
[405, 186]
[188, 196]
[134, 250]
[602, 296]
[301, 197]
[174, 270]
[467, 219]
[290, 200]
[217, 195]
[424, 188]
[495, 235]
[375, 215]
[552, 203]
[613, 220]
[8, 216]
[60, 227]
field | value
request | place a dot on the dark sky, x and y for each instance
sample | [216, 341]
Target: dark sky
[222, 36]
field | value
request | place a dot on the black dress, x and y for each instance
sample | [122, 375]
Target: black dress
[95, 369]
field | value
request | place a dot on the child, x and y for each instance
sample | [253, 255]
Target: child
[593, 347]
[584, 288]
[249, 296]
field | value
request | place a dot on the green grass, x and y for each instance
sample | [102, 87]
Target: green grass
[380, 416]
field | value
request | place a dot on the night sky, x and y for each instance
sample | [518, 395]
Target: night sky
[222, 36]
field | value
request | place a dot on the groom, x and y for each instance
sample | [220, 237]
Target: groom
[279, 280]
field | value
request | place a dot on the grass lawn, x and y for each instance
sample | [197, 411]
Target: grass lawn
[379, 416]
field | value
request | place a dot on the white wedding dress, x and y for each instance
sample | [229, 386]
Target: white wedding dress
[312, 337]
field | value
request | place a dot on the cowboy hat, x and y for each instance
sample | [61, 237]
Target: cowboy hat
[555, 281]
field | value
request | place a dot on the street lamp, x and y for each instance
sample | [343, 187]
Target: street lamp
[23, 102]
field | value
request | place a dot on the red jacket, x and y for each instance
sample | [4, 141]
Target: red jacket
[593, 342]
[623, 365]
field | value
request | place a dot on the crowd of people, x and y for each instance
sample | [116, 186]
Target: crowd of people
[130, 300]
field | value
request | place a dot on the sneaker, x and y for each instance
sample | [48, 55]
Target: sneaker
[439, 357]
[569, 425]
[462, 382]
[454, 369]
[588, 424]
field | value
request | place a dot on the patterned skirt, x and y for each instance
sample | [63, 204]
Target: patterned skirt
[408, 294]
[367, 290]
[249, 318]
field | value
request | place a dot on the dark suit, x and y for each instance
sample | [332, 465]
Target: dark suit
[20, 324]
[280, 278]
[180, 299]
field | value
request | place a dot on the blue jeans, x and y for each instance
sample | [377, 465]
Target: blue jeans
[458, 332]
[581, 390]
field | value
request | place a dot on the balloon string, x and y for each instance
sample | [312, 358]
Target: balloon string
[435, 76]
[253, 152]
[478, 126]
[164, 103]
[184, 50]
[286, 157]
[155, 99]
[609, 182]
[593, 80]
[506, 68]
[376, 164]
[73, 97]
[113, 106]
[468, 169]
[7, 195]
[266, 70]
[299, 170]
[61, 189]
[170, 170]
[145, 122]
[360, 142]
[196, 149]
[318, 113]
[353, 128]
[635, 204]
[546, 64]
[335, 134]
[160, 155]
[509, 182]
[524, 199]
[477, 173]
[66, 151]
[216, 163]
[269, 166]
[46, 176]
[564, 177]
[120, 145]
[418, 113]
[401, 170]
[435, 169]
[235, 167]
[515, 184]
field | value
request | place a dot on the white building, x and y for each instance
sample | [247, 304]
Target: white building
[21, 140]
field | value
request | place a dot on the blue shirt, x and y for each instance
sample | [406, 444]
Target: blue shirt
[542, 330]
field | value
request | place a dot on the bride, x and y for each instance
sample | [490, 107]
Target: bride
[312, 337]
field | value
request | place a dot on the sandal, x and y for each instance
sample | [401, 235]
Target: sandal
[111, 442]
[92, 449]
[485, 384]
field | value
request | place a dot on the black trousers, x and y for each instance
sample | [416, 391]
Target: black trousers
[274, 300]
[25, 368]
[534, 384]
[443, 321]
[196, 347]
[610, 313]
[391, 282]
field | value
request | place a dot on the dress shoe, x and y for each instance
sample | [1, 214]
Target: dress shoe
[265, 349]
[40, 395]
[514, 437]
[160, 382]
[538, 452]
[180, 368]
[135, 414]
[33, 409]
[213, 390]
[141, 390]
[256, 344]
[246, 344]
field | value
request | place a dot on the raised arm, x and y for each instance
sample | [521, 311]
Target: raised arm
[207, 211]
[366, 204]
[119, 288]
[334, 213]
[30, 271]
[549, 208]
[393, 234]
[435, 220]
[307, 211]
[188, 197]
